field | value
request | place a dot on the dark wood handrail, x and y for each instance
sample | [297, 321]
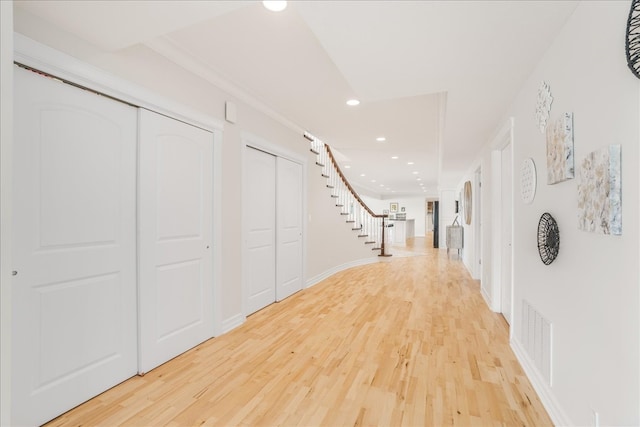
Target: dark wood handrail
[346, 182]
[382, 248]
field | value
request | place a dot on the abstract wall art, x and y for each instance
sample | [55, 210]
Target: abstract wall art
[543, 106]
[600, 192]
[560, 149]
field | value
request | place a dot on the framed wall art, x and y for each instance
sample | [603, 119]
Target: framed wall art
[393, 207]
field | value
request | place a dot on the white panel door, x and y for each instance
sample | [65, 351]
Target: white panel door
[289, 228]
[260, 217]
[506, 214]
[74, 291]
[175, 230]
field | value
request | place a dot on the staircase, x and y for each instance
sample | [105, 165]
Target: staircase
[371, 228]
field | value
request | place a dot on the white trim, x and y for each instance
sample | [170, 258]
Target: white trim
[322, 276]
[35, 55]
[231, 323]
[218, 324]
[546, 395]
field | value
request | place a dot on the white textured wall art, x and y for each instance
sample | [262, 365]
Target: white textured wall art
[560, 149]
[600, 192]
[543, 106]
[528, 180]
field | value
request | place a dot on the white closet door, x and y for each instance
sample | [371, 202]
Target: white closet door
[175, 231]
[260, 217]
[289, 228]
[74, 294]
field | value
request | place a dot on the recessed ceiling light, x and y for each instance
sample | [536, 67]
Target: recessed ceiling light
[381, 185]
[381, 139]
[394, 157]
[415, 172]
[362, 174]
[409, 163]
[347, 166]
[275, 6]
[419, 179]
[353, 102]
[373, 180]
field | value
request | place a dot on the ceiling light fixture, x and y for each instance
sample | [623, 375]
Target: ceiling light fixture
[394, 157]
[419, 179]
[362, 174]
[275, 6]
[410, 163]
[373, 180]
[415, 172]
[353, 102]
[347, 166]
[381, 139]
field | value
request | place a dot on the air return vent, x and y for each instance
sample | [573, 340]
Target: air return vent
[537, 338]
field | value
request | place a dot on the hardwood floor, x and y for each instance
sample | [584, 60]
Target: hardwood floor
[405, 342]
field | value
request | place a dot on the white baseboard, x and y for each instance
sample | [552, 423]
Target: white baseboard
[486, 298]
[320, 277]
[545, 393]
[231, 323]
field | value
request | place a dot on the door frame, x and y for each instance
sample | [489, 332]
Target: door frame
[65, 67]
[250, 140]
[503, 138]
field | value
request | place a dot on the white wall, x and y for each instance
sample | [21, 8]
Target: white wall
[6, 138]
[590, 293]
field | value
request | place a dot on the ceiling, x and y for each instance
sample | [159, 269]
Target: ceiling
[435, 78]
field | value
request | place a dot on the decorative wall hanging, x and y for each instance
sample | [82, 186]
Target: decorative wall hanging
[633, 38]
[599, 192]
[548, 238]
[560, 149]
[467, 202]
[543, 106]
[393, 207]
[528, 180]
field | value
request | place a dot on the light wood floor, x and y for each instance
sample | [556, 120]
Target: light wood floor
[405, 342]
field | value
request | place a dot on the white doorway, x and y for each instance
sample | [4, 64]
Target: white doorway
[274, 229]
[477, 213]
[506, 214]
[74, 247]
[175, 219]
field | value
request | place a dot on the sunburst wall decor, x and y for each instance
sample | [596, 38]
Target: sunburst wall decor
[633, 38]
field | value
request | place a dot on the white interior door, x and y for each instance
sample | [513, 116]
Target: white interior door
[175, 232]
[260, 217]
[74, 292]
[289, 228]
[506, 215]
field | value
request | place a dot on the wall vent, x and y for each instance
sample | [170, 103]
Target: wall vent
[537, 338]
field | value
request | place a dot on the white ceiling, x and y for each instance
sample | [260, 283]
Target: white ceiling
[434, 77]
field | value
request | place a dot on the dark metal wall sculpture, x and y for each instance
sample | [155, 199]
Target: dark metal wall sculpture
[633, 38]
[548, 238]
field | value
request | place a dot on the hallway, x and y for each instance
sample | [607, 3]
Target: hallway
[408, 341]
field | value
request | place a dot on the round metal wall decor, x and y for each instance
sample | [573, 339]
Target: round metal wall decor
[633, 38]
[528, 180]
[548, 238]
[467, 202]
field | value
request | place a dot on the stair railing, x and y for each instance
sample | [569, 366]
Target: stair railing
[370, 226]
